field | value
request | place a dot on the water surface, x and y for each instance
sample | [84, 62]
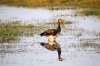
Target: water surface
[79, 41]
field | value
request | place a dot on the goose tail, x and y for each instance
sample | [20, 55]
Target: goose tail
[42, 34]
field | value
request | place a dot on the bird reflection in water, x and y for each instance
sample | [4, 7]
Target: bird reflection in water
[53, 46]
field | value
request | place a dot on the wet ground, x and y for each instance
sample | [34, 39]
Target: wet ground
[79, 41]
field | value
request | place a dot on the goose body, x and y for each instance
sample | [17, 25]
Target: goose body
[52, 32]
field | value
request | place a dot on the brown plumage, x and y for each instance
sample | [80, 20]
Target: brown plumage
[53, 46]
[52, 32]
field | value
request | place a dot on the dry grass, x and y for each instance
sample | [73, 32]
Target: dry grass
[50, 3]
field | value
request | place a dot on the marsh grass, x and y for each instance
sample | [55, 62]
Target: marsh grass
[11, 31]
[90, 12]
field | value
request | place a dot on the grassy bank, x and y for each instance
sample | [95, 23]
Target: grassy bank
[11, 31]
[51, 3]
[93, 5]
[84, 3]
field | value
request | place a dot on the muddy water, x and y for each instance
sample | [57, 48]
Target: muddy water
[79, 42]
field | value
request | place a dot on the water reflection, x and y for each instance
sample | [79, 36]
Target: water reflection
[53, 46]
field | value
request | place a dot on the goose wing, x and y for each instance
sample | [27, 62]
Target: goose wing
[51, 32]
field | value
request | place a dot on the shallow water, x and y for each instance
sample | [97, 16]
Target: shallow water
[79, 42]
